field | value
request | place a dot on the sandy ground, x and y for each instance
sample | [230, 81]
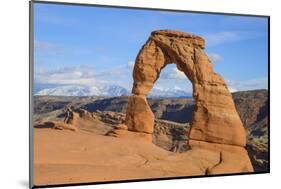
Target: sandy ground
[63, 157]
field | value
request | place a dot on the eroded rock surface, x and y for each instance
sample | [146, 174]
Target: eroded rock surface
[70, 121]
[215, 119]
[139, 116]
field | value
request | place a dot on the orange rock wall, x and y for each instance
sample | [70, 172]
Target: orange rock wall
[215, 118]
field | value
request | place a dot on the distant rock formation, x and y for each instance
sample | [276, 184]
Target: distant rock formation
[69, 122]
[216, 124]
[252, 107]
[55, 125]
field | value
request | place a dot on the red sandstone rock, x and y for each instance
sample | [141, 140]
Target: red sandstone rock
[216, 126]
[233, 159]
[117, 133]
[121, 127]
[139, 116]
[63, 126]
[130, 135]
[215, 117]
[71, 117]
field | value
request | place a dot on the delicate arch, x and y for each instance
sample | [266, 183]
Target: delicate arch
[215, 118]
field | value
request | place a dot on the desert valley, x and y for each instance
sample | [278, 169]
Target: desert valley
[86, 154]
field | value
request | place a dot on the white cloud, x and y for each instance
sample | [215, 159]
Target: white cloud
[215, 57]
[232, 89]
[172, 73]
[85, 75]
[252, 84]
[131, 64]
[258, 83]
[171, 79]
[177, 74]
[213, 39]
[221, 37]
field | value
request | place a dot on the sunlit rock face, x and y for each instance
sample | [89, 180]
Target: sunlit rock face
[216, 125]
[215, 118]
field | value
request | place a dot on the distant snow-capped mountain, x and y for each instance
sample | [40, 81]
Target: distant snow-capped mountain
[78, 90]
[105, 90]
[168, 92]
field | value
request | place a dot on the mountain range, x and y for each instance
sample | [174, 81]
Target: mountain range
[103, 90]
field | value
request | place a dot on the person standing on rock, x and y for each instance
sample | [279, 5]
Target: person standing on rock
[68, 115]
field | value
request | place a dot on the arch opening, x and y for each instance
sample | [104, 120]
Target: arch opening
[171, 83]
[172, 105]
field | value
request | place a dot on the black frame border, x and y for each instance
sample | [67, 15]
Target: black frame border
[31, 73]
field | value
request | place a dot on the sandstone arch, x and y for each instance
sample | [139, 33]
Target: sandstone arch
[216, 128]
[215, 119]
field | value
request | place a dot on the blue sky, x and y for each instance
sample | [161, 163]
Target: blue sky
[78, 45]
